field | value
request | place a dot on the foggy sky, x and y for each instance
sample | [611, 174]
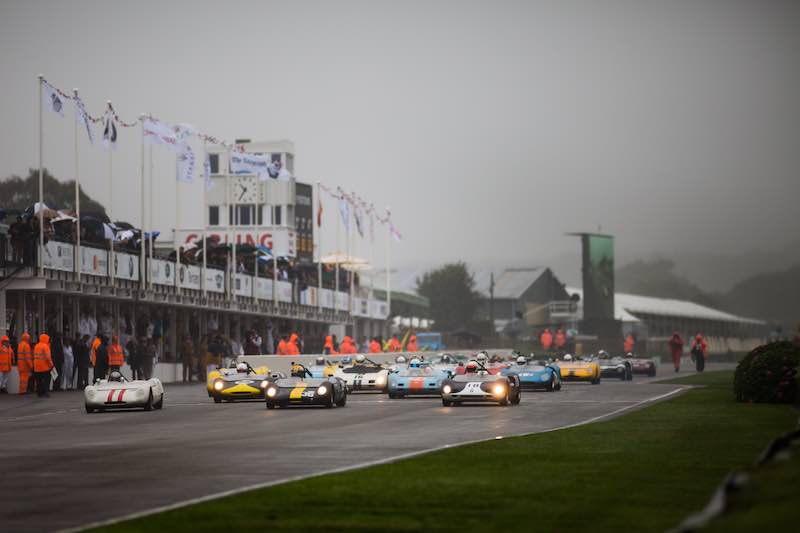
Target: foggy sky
[490, 128]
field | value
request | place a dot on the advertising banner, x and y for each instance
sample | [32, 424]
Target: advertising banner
[282, 241]
[309, 297]
[215, 280]
[598, 276]
[326, 297]
[284, 291]
[360, 307]
[263, 289]
[59, 256]
[126, 266]
[342, 301]
[243, 285]
[162, 272]
[94, 261]
[378, 309]
[189, 277]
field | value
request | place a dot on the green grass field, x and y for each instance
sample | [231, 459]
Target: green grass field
[644, 471]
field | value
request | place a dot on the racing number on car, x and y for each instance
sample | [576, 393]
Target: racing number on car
[473, 387]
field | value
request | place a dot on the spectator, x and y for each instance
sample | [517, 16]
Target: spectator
[394, 344]
[412, 344]
[148, 355]
[328, 348]
[57, 353]
[187, 357]
[560, 339]
[101, 359]
[374, 346]
[6, 358]
[42, 365]
[201, 358]
[292, 347]
[17, 232]
[25, 364]
[676, 349]
[282, 346]
[699, 352]
[629, 345]
[347, 346]
[134, 358]
[546, 340]
[69, 365]
[81, 353]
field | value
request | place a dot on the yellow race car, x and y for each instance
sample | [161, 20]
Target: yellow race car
[577, 370]
[239, 382]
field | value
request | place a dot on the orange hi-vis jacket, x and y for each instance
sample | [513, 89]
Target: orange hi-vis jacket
[281, 350]
[412, 344]
[93, 351]
[42, 361]
[25, 355]
[116, 356]
[329, 345]
[374, 347]
[291, 346]
[394, 345]
[347, 346]
[6, 355]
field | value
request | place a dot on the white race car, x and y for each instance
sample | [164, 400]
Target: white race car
[117, 392]
[364, 375]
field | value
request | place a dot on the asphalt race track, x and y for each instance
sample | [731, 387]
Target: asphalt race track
[63, 468]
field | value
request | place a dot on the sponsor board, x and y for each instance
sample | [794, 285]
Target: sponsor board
[283, 290]
[189, 277]
[243, 285]
[326, 298]
[263, 289]
[94, 261]
[282, 241]
[215, 280]
[126, 266]
[162, 272]
[342, 301]
[59, 256]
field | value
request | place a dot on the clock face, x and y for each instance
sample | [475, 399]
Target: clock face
[244, 190]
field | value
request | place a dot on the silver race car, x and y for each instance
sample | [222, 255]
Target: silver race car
[117, 392]
[477, 384]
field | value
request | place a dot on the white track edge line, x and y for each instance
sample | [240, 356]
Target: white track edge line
[359, 466]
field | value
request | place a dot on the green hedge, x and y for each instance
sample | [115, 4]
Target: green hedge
[768, 374]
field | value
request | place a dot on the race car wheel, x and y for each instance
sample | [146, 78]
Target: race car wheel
[516, 399]
[89, 410]
[596, 381]
[270, 405]
[217, 399]
[330, 403]
[446, 403]
[652, 373]
[624, 376]
[504, 401]
[160, 403]
[343, 401]
[558, 386]
[552, 385]
[149, 405]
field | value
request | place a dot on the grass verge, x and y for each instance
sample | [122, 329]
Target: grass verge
[643, 471]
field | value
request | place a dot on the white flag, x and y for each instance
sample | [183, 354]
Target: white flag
[110, 132]
[207, 172]
[185, 164]
[183, 131]
[371, 225]
[51, 99]
[157, 132]
[344, 210]
[244, 163]
[359, 222]
[395, 234]
[80, 111]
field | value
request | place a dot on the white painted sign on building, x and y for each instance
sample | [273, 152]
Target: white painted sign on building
[215, 280]
[189, 277]
[126, 266]
[162, 272]
[283, 241]
[59, 256]
[94, 261]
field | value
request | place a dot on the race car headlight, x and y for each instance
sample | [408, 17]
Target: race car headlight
[272, 391]
[322, 390]
[264, 384]
[380, 380]
[218, 385]
[499, 390]
[447, 389]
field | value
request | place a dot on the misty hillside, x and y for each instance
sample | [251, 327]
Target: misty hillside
[657, 278]
[774, 296]
[21, 193]
[703, 268]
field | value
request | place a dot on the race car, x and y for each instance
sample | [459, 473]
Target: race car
[303, 389]
[494, 366]
[117, 392]
[242, 382]
[614, 367]
[579, 370]
[476, 384]
[364, 375]
[447, 361]
[322, 368]
[535, 375]
[419, 379]
[641, 365]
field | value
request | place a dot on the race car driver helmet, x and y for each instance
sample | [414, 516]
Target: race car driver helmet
[471, 368]
[360, 358]
[629, 354]
[414, 363]
[400, 360]
[521, 360]
[298, 371]
[481, 357]
[602, 354]
[568, 357]
[447, 359]
[115, 376]
[320, 361]
[241, 367]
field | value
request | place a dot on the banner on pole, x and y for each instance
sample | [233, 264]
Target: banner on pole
[185, 164]
[52, 100]
[83, 116]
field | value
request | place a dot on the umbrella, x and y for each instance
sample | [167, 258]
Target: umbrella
[123, 225]
[108, 232]
[343, 259]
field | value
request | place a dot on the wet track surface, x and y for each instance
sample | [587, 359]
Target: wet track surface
[63, 468]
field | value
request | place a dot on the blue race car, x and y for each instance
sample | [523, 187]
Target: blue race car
[418, 379]
[535, 375]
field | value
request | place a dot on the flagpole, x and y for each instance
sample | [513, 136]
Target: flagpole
[142, 258]
[371, 253]
[274, 260]
[338, 253]
[319, 248]
[39, 256]
[350, 257]
[205, 215]
[177, 223]
[150, 211]
[111, 192]
[77, 193]
[388, 262]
